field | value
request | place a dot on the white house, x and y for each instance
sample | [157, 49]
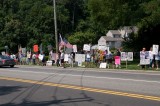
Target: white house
[114, 38]
[107, 41]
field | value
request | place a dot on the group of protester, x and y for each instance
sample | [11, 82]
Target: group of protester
[95, 56]
[29, 58]
[35, 58]
[153, 58]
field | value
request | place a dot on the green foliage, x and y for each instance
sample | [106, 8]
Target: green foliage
[81, 38]
[150, 24]
[29, 22]
[90, 65]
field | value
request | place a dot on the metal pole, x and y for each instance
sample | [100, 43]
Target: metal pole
[55, 25]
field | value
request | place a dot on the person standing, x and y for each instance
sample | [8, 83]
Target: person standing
[28, 57]
[157, 60]
[20, 56]
[143, 56]
[58, 59]
[62, 59]
[52, 57]
[33, 58]
[88, 56]
[118, 58]
[43, 59]
[71, 59]
[151, 58]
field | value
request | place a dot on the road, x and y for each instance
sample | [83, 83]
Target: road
[51, 86]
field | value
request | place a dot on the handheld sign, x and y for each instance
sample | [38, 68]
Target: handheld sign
[155, 49]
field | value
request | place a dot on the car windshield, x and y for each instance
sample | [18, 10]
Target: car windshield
[4, 57]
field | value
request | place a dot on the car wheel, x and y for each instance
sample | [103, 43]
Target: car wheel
[11, 66]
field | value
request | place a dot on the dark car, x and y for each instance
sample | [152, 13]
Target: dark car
[6, 61]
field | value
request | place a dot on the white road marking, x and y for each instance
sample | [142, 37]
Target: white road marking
[109, 71]
[81, 76]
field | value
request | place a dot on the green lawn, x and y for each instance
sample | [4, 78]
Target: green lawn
[131, 65]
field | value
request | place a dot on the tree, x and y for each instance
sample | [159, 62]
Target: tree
[81, 38]
[150, 24]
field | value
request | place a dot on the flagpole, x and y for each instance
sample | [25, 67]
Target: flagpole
[55, 25]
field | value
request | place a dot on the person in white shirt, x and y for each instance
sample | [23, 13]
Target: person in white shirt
[88, 56]
[142, 56]
[151, 57]
[62, 59]
[52, 57]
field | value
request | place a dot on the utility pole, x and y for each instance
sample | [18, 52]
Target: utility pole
[55, 25]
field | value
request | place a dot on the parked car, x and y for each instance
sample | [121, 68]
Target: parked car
[7, 61]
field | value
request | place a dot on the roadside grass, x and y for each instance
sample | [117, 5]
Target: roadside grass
[129, 65]
[132, 65]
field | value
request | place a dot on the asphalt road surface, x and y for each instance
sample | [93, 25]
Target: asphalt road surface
[51, 86]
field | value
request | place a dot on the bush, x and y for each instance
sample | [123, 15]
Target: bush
[89, 64]
[46, 58]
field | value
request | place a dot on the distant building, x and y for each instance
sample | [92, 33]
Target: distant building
[114, 38]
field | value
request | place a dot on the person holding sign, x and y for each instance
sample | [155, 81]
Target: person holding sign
[151, 57]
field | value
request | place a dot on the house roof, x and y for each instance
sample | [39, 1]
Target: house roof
[108, 38]
[115, 32]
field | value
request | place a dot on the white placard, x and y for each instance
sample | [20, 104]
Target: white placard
[130, 56]
[23, 50]
[48, 63]
[155, 49]
[126, 56]
[80, 58]
[86, 47]
[103, 65]
[3, 53]
[40, 57]
[66, 57]
[74, 48]
[144, 61]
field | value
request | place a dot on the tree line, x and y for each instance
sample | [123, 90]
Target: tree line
[29, 22]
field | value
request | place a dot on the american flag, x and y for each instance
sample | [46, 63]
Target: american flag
[67, 44]
[64, 43]
[61, 42]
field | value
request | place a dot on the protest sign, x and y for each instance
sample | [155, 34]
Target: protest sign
[130, 56]
[103, 65]
[117, 60]
[155, 49]
[48, 63]
[40, 57]
[74, 48]
[35, 48]
[80, 58]
[66, 57]
[86, 47]
[144, 61]
[124, 56]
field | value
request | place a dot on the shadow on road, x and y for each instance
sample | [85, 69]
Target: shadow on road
[62, 102]
[5, 90]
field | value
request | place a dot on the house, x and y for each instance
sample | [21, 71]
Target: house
[108, 41]
[114, 38]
